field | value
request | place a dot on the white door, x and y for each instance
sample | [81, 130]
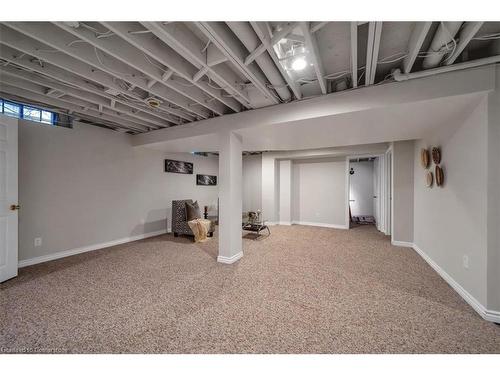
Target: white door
[8, 198]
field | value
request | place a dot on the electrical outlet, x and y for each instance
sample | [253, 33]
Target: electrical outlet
[465, 261]
[38, 241]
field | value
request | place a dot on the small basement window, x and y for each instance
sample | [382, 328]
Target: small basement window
[28, 112]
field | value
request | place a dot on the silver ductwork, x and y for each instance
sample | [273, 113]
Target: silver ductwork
[245, 33]
[445, 34]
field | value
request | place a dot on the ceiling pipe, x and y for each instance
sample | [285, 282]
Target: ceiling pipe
[445, 34]
[245, 33]
[399, 76]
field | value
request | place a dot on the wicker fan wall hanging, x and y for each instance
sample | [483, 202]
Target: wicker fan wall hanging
[436, 155]
[439, 175]
[425, 158]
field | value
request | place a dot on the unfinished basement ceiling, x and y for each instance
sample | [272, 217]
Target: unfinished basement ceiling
[141, 76]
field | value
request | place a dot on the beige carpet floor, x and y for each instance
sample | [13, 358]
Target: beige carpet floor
[301, 290]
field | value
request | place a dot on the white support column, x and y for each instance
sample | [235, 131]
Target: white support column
[230, 198]
[285, 210]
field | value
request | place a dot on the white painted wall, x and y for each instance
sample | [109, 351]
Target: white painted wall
[85, 186]
[493, 210]
[252, 182]
[285, 189]
[270, 176]
[451, 222]
[319, 191]
[361, 188]
[402, 191]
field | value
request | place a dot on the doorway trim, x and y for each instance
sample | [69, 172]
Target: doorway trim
[384, 203]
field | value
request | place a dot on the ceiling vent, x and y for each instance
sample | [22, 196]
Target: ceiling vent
[153, 102]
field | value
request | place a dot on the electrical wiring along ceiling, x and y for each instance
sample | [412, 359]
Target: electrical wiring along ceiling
[151, 75]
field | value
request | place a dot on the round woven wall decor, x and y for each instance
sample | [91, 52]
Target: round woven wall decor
[439, 175]
[429, 179]
[436, 155]
[424, 157]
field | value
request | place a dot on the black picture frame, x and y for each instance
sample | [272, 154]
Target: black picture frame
[206, 180]
[176, 166]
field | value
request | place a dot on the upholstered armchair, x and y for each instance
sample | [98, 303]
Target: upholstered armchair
[179, 220]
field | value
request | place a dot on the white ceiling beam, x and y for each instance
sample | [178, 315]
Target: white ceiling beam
[81, 60]
[354, 54]
[372, 48]
[54, 73]
[220, 35]
[312, 46]
[264, 33]
[154, 48]
[105, 114]
[417, 38]
[128, 55]
[214, 56]
[61, 64]
[296, 38]
[270, 41]
[465, 36]
[200, 73]
[178, 37]
[317, 26]
[82, 95]
[31, 94]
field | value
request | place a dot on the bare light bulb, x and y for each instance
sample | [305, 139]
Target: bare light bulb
[299, 64]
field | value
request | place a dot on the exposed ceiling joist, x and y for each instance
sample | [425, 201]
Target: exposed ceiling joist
[41, 51]
[270, 41]
[372, 48]
[312, 46]
[354, 54]
[180, 95]
[86, 59]
[137, 110]
[32, 94]
[78, 94]
[263, 31]
[184, 42]
[221, 37]
[469, 29]
[417, 38]
[296, 38]
[168, 57]
[316, 26]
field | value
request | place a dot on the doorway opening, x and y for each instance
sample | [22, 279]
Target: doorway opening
[364, 191]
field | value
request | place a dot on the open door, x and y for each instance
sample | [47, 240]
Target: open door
[8, 198]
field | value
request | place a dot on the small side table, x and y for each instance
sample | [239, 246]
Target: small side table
[256, 227]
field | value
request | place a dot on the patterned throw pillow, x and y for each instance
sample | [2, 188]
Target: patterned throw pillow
[192, 211]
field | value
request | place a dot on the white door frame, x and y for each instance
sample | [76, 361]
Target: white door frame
[382, 201]
[8, 197]
[388, 191]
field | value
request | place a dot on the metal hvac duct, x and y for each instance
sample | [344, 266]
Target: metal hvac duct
[445, 34]
[251, 41]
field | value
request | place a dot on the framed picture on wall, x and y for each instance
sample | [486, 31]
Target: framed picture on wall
[175, 166]
[206, 180]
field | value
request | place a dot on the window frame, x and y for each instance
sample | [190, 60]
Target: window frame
[21, 115]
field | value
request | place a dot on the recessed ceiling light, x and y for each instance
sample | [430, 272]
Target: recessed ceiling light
[299, 63]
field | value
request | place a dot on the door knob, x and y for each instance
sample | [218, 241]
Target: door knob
[14, 207]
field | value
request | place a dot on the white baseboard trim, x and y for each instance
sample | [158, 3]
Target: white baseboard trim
[490, 315]
[229, 260]
[324, 225]
[402, 244]
[285, 223]
[79, 250]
